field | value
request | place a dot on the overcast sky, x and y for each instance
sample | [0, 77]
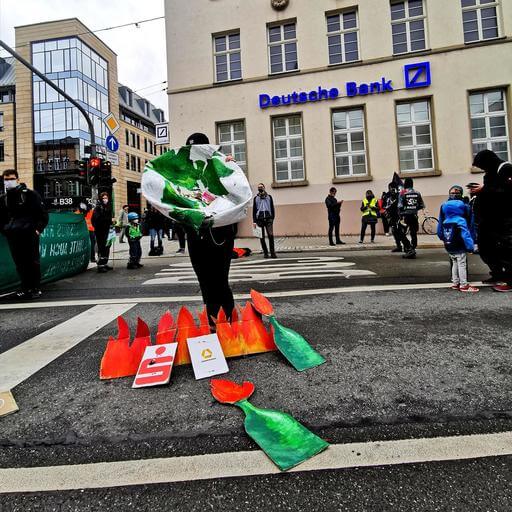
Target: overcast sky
[140, 51]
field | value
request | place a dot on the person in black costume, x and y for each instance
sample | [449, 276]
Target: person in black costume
[102, 221]
[210, 252]
[494, 217]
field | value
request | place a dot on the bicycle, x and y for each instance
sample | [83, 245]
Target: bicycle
[429, 223]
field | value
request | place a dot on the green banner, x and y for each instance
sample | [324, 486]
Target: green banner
[64, 247]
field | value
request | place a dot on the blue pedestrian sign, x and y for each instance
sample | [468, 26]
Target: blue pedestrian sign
[112, 143]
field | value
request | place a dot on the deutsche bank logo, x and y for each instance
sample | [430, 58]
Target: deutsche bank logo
[417, 75]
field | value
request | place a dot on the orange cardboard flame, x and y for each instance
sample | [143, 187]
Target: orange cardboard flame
[261, 303]
[166, 329]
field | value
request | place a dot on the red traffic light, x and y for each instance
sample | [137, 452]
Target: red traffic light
[95, 162]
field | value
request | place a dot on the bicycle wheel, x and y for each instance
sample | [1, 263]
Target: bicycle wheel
[429, 225]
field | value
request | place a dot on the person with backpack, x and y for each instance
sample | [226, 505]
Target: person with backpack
[410, 203]
[23, 217]
[369, 209]
[494, 218]
[453, 230]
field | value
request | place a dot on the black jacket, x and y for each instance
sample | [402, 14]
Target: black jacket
[333, 207]
[493, 203]
[22, 210]
[155, 220]
[102, 217]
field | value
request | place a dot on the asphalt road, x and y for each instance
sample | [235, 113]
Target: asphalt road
[401, 364]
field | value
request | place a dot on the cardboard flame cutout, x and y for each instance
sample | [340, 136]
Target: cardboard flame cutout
[285, 441]
[244, 335]
[291, 344]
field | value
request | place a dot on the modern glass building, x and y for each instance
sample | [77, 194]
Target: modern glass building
[60, 131]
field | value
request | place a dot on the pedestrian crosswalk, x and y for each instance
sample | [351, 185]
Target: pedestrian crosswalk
[282, 269]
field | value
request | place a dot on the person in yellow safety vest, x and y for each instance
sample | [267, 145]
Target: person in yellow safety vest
[369, 209]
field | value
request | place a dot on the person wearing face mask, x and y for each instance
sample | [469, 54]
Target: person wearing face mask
[23, 218]
[263, 215]
[102, 221]
[134, 234]
[369, 209]
[494, 218]
[453, 230]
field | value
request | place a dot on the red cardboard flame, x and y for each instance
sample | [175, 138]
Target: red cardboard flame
[261, 303]
[229, 392]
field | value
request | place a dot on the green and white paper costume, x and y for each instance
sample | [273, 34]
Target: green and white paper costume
[194, 185]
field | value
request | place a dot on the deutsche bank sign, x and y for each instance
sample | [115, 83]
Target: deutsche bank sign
[415, 76]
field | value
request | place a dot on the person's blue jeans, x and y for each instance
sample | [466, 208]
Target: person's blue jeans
[156, 233]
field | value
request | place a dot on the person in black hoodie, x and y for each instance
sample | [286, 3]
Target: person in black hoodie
[263, 215]
[495, 217]
[102, 221]
[23, 218]
[333, 216]
[210, 252]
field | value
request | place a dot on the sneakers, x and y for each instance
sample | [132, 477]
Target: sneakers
[456, 287]
[131, 266]
[139, 265]
[360, 242]
[396, 249]
[411, 255]
[266, 256]
[469, 289]
[273, 256]
[180, 250]
[332, 244]
[503, 288]
[340, 242]
[102, 270]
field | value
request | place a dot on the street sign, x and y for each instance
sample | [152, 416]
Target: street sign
[162, 133]
[113, 158]
[207, 356]
[111, 123]
[156, 366]
[112, 143]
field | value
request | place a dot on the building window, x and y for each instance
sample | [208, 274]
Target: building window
[138, 141]
[288, 149]
[228, 63]
[127, 136]
[408, 26]
[349, 143]
[489, 129]
[415, 136]
[145, 145]
[342, 31]
[150, 147]
[1, 121]
[133, 163]
[231, 137]
[480, 20]
[127, 161]
[138, 164]
[2, 153]
[282, 48]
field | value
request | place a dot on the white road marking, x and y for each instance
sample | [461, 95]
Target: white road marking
[244, 296]
[22, 361]
[250, 463]
[267, 270]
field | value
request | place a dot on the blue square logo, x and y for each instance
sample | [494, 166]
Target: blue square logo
[417, 75]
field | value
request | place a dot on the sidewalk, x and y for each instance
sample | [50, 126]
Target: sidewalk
[290, 244]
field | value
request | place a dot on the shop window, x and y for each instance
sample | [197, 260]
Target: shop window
[228, 63]
[489, 127]
[231, 138]
[342, 37]
[349, 143]
[408, 26]
[288, 149]
[415, 136]
[479, 19]
[282, 48]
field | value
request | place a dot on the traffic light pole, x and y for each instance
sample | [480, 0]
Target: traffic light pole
[84, 112]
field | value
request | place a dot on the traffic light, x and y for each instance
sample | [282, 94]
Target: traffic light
[94, 166]
[106, 178]
[82, 167]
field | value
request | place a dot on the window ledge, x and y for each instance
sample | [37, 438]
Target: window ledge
[280, 74]
[420, 174]
[286, 184]
[228, 82]
[345, 64]
[352, 179]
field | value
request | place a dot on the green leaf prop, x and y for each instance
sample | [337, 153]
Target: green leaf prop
[291, 344]
[284, 440]
[197, 186]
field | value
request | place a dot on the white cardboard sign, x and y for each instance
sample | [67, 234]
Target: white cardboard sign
[7, 403]
[207, 356]
[156, 366]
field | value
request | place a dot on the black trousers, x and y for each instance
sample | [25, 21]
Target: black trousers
[103, 249]
[411, 225]
[92, 238]
[210, 254]
[268, 226]
[135, 251]
[24, 247]
[334, 225]
[366, 221]
[385, 224]
[395, 230]
[493, 252]
[180, 233]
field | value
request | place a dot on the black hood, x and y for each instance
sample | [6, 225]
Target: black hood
[488, 161]
[197, 138]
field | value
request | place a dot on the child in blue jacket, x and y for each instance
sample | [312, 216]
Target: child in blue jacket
[453, 230]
